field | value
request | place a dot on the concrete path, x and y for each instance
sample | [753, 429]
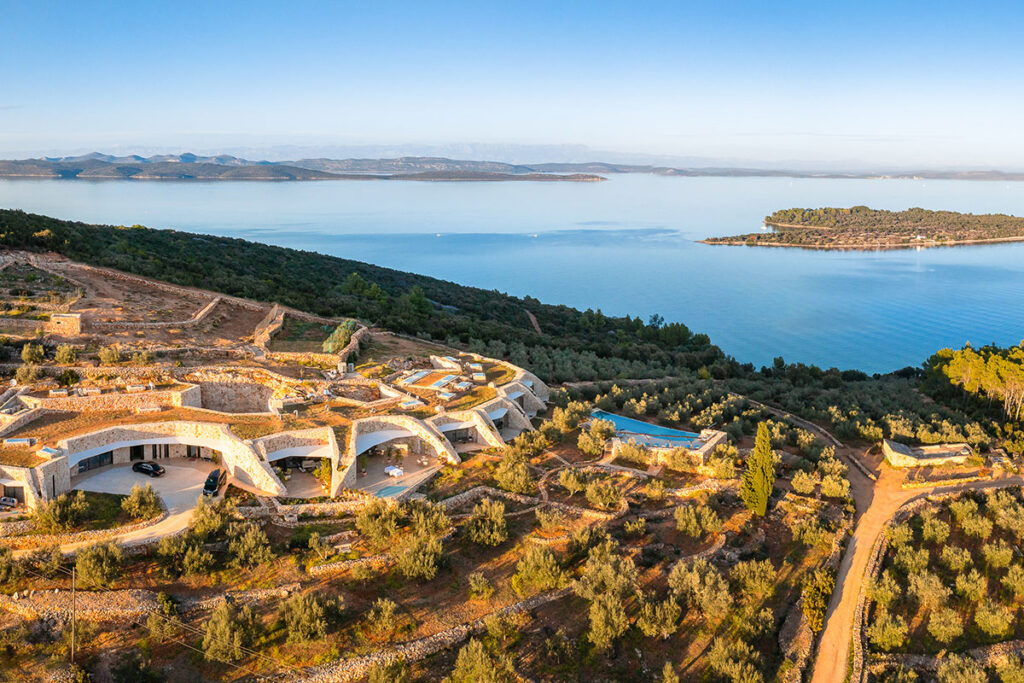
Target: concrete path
[178, 488]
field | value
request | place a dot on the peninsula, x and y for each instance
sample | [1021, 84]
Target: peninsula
[860, 227]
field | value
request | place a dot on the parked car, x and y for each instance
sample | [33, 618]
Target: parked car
[150, 468]
[8, 502]
[215, 481]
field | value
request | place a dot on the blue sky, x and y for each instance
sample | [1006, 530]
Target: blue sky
[909, 83]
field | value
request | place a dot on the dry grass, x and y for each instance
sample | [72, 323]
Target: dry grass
[473, 398]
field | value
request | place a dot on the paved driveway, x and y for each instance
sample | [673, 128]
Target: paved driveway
[178, 488]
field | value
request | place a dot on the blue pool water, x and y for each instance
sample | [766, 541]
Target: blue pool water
[645, 433]
[389, 491]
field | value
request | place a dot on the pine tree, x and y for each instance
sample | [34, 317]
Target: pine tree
[759, 478]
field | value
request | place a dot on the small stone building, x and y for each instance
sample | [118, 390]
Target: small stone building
[902, 455]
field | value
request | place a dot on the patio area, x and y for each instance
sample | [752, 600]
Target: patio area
[379, 483]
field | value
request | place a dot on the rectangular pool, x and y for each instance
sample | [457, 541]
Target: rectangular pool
[647, 434]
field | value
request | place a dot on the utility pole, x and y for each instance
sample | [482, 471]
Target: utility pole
[73, 614]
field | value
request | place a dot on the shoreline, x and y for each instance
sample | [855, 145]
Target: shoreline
[861, 247]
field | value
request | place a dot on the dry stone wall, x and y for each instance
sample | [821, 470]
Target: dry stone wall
[188, 396]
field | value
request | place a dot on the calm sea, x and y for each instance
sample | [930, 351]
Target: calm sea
[627, 245]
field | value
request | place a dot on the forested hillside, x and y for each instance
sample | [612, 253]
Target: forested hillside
[862, 227]
[575, 342]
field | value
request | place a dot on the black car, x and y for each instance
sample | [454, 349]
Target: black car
[217, 478]
[150, 468]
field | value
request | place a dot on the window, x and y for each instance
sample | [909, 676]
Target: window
[137, 453]
[95, 461]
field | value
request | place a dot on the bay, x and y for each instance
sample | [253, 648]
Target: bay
[625, 246]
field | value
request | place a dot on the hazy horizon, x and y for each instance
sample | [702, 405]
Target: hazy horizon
[797, 84]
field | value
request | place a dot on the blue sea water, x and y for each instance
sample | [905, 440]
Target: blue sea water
[625, 246]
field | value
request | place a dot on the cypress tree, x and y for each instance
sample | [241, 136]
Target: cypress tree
[759, 477]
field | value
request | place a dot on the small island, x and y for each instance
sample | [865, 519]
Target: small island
[860, 227]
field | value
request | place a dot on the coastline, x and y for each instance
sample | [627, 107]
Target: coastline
[861, 247]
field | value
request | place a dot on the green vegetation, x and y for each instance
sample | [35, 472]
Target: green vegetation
[759, 477]
[862, 228]
[574, 344]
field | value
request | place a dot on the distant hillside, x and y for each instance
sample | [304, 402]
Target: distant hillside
[191, 167]
[95, 169]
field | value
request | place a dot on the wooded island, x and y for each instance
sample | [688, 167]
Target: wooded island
[860, 227]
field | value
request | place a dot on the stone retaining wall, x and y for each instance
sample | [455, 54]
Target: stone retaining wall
[117, 605]
[31, 541]
[119, 400]
[346, 670]
[125, 325]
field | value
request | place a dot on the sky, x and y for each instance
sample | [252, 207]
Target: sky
[901, 84]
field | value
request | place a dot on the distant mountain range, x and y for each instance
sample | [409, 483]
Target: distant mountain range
[97, 166]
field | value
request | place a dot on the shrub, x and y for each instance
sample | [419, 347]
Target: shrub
[955, 558]
[884, 590]
[393, 671]
[659, 619]
[655, 490]
[47, 561]
[66, 354]
[927, 588]
[834, 486]
[962, 508]
[306, 616]
[209, 519]
[755, 579]
[804, 483]
[61, 513]
[479, 587]
[99, 565]
[486, 524]
[695, 521]
[228, 631]
[141, 503]
[32, 354]
[9, 567]
[636, 528]
[475, 665]
[634, 453]
[1010, 669]
[163, 624]
[378, 522]
[538, 570]
[887, 632]
[248, 545]
[956, 669]
[549, 519]
[380, 618]
[27, 374]
[934, 530]
[602, 493]
[1014, 581]
[995, 620]
[976, 526]
[417, 554]
[911, 560]
[607, 580]
[110, 355]
[703, 586]
[572, 481]
[735, 661]
[513, 475]
[945, 625]
[971, 586]
[142, 357]
[997, 555]
[816, 594]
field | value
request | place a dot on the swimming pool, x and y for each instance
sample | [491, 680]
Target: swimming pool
[626, 428]
[389, 491]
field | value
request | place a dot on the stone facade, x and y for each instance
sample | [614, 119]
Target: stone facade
[184, 395]
[900, 455]
[65, 324]
[240, 459]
